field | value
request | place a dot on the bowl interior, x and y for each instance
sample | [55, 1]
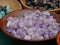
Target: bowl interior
[20, 13]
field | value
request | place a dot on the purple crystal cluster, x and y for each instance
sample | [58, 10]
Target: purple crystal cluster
[35, 25]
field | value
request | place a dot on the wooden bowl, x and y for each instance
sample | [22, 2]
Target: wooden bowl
[58, 39]
[23, 2]
[14, 4]
[19, 13]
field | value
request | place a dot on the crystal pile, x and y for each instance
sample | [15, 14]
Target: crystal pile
[35, 25]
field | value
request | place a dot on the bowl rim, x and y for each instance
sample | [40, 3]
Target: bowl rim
[24, 4]
[19, 4]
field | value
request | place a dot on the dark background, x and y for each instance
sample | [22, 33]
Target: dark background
[6, 40]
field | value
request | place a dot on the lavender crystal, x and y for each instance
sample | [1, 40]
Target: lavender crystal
[35, 25]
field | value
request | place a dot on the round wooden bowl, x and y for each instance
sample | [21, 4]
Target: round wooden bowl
[58, 39]
[23, 2]
[17, 14]
[14, 4]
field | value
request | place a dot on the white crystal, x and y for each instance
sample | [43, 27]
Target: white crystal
[27, 37]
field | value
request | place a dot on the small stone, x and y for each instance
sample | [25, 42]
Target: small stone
[8, 10]
[2, 13]
[41, 37]
[27, 37]
[4, 9]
